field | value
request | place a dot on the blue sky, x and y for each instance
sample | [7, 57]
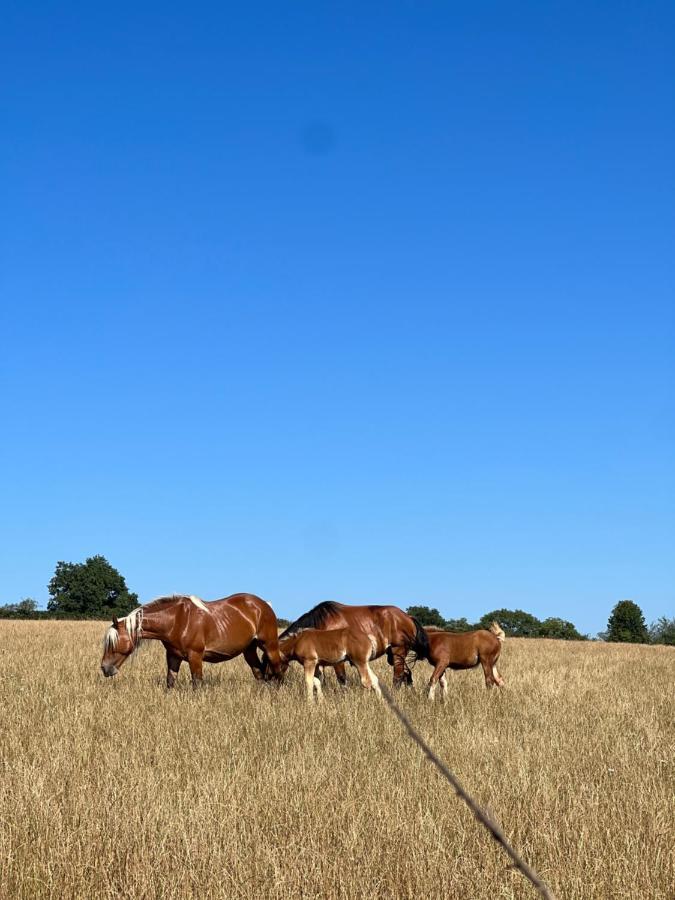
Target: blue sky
[368, 302]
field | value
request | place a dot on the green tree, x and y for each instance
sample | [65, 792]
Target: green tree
[663, 631]
[627, 624]
[458, 625]
[92, 589]
[515, 622]
[560, 629]
[24, 609]
[427, 616]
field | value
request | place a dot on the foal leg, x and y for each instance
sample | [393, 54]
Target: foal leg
[368, 678]
[487, 671]
[433, 681]
[444, 686]
[311, 681]
[252, 658]
[172, 666]
[195, 659]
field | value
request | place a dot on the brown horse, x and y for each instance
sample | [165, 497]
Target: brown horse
[313, 647]
[392, 632]
[464, 651]
[198, 632]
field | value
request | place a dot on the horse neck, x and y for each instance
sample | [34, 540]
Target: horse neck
[154, 625]
[287, 646]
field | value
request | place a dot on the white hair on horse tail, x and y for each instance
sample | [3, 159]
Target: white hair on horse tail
[198, 603]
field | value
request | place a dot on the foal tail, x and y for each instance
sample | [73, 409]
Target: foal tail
[420, 645]
[496, 629]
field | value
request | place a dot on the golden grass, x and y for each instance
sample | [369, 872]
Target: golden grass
[117, 789]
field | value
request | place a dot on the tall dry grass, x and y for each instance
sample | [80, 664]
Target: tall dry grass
[117, 789]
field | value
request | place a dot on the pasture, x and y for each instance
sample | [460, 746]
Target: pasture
[114, 788]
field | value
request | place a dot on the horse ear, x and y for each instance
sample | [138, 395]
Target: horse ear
[115, 622]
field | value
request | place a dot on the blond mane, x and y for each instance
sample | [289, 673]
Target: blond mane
[133, 622]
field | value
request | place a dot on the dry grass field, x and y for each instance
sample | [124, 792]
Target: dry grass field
[117, 789]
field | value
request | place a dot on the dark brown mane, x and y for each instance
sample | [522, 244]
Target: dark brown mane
[312, 619]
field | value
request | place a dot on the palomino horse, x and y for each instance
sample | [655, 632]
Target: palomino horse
[313, 648]
[464, 651]
[198, 632]
[392, 632]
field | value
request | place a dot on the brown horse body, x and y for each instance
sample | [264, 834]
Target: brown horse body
[466, 650]
[198, 632]
[313, 647]
[388, 629]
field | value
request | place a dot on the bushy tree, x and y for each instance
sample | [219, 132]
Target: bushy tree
[24, 609]
[560, 629]
[458, 625]
[426, 616]
[92, 589]
[627, 624]
[663, 631]
[515, 622]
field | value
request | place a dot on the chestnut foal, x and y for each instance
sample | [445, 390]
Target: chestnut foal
[314, 647]
[450, 650]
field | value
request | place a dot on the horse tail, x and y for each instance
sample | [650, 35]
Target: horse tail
[420, 645]
[498, 632]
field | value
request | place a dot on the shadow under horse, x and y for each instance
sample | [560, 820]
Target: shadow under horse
[391, 631]
[195, 632]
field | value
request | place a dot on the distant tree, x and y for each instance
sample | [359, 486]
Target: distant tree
[560, 629]
[515, 622]
[662, 631]
[92, 589]
[627, 624]
[24, 609]
[458, 625]
[283, 623]
[427, 616]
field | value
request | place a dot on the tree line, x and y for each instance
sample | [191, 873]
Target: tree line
[94, 589]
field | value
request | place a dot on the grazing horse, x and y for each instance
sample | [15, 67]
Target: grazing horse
[198, 632]
[313, 647]
[392, 632]
[464, 651]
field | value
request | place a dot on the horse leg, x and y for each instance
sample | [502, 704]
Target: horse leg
[252, 658]
[438, 672]
[487, 671]
[172, 666]
[499, 681]
[402, 674]
[444, 686]
[341, 673]
[311, 681]
[368, 678]
[195, 659]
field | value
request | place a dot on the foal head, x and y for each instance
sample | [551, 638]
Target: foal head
[121, 640]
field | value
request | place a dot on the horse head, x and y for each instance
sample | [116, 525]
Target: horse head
[120, 642]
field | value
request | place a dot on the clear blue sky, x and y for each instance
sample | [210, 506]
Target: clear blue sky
[370, 302]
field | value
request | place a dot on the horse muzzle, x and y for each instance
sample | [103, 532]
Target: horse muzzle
[109, 670]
